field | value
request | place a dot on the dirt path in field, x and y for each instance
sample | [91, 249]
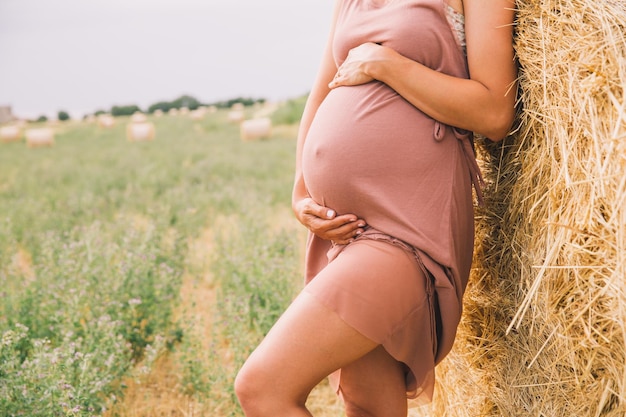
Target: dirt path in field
[160, 391]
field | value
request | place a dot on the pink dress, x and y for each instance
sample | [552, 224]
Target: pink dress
[372, 153]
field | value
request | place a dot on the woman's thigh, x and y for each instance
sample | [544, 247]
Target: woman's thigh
[311, 340]
[307, 343]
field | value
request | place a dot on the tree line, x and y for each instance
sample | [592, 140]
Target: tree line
[184, 101]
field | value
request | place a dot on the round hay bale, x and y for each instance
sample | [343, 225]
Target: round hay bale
[236, 116]
[39, 137]
[253, 129]
[198, 114]
[106, 121]
[10, 133]
[138, 117]
[543, 329]
[140, 131]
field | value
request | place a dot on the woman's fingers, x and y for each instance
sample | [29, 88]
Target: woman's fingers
[310, 207]
[351, 70]
[325, 223]
[340, 229]
[346, 233]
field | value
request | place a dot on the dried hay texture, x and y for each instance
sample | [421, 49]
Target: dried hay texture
[543, 332]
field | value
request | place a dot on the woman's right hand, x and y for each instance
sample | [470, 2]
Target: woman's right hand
[325, 223]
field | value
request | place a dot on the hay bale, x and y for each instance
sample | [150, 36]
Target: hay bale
[266, 109]
[138, 117]
[140, 131]
[253, 129]
[39, 137]
[10, 133]
[236, 116]
[198, 114]
[106, 121]
[543, 331]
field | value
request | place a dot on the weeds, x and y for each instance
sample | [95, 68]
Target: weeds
[94, 244]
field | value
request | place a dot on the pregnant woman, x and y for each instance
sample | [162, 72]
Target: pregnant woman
[385, 173]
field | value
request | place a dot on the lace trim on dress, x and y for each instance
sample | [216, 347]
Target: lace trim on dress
[457, 23]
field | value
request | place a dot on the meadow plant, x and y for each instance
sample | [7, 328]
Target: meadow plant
[257, 266]
[290, 112]
[75, 378]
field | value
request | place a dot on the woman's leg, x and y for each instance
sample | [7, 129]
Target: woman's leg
[310, 341]
[305, 345]
[374, 385]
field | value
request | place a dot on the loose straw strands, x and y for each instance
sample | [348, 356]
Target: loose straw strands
[543, 332]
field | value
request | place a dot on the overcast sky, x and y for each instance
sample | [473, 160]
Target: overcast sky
[84, 55]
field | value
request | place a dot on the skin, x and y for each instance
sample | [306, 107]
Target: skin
[275, 380]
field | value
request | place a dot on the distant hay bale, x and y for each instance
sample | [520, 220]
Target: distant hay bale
[266, 109]
[253, 129]
[140, 131]
[236, 116]
[198, 114]
[158, 113]
[39, 137]
[10, 133]
[237, 106]
[20, 123]
[106, 120]
[138, 117]
[173, 111]
[544, 325]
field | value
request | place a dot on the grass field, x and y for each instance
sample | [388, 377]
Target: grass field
[137, 276]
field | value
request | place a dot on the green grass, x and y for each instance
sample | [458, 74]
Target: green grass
[94, 243]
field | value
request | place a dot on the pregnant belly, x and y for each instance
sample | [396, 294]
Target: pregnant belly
[363, 140]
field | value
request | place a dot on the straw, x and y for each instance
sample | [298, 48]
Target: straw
[543, 331]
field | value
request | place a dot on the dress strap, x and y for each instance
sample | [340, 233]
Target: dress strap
[467, 144]
[470, 155]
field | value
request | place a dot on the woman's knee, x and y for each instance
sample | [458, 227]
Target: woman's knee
[259, 395]
[249, 386]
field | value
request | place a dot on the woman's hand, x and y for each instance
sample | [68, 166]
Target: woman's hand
[325, 223]
[353, 71]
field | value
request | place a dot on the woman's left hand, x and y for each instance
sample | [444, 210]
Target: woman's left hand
[353, 70]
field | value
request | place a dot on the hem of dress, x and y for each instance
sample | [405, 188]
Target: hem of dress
[421, 391]
[420, 395]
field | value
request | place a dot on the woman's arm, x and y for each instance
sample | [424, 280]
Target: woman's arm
[323, 221]
[319, 91]
[484, 104]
